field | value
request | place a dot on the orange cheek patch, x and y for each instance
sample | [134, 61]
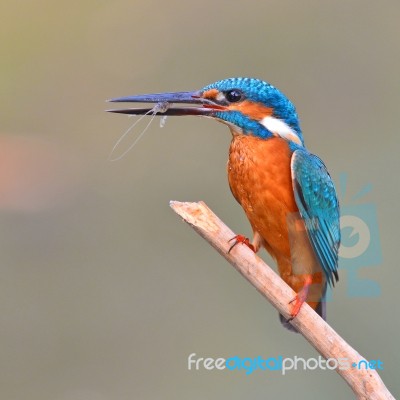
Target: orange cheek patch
[256, 111]
[210, 94]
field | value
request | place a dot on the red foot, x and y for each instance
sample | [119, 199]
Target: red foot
[300, 298]
[241, 239]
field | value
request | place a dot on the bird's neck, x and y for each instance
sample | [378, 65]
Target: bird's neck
[294, 142]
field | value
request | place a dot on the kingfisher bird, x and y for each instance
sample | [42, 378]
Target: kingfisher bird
[286, 192]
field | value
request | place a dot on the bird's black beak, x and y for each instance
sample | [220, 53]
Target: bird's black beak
[199, 105]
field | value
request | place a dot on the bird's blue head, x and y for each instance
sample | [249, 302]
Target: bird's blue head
[248, 106]
[253, 106]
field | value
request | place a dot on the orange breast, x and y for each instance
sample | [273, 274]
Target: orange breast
[260, 179]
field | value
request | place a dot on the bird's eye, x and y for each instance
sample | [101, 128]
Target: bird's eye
[234, 95]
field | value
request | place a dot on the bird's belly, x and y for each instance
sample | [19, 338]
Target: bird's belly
[260, 179]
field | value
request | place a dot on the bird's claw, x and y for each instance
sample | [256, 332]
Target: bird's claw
[299, 299]
[241, 239]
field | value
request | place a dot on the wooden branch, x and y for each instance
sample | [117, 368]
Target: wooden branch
[366, 383]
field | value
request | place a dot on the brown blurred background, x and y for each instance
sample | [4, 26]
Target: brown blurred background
[104, 292]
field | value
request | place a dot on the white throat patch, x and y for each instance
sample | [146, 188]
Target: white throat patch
[280, 128]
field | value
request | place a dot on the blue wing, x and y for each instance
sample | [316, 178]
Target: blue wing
[316, 200]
